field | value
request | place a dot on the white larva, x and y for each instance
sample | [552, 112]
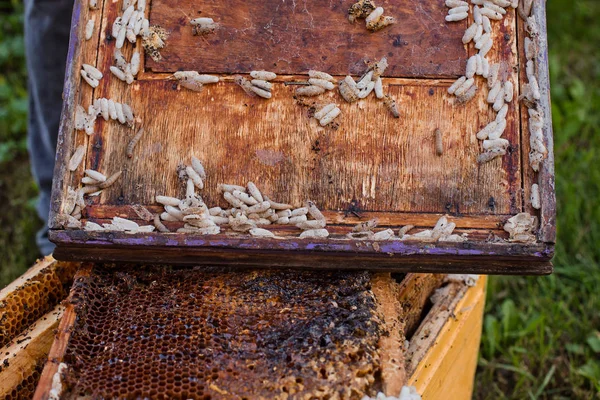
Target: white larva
[309, 91]
[485, 65]
[494, 70]
[198, 167]
[458, 83]
[118, 73]
[314, 233]
[320, 75]
[367, 90]
[530, 69]
[312, 224]
[232, 200]
[167, 201]
[330, 116]
[479, 68]
[464, 87]
[487, 25]
[120, 114]
[498, 130]
[299, 211]
[86, 180]
[477, 15]
[165, 216]
[484, 133]
[261, 92]
[490, 144]
[499, 103]
[297, 219]
[468, 95]
[482, 40]
[90, 120]
[95, 175]
[92, 227]
[491, 6]
[478, 34]
[348, 89]
[259, 232]
[135, 63]
[374, 16]
[491, 14]
[112, 110]
[91, 81]
[378, 88]
[455, 3]
[324, 111]
[458, 10]
[283, 221]
[159, 225]
[470, 33]
[139, 21]
[222, 188]
[128, 114]
[89, 28]
[486, 47]
[365, 80]
[535, 88]
[502, 113]
[195, 177]
[219, 220]
[284, 213]
[263, 75]
[259, 208]
[93, 4]
[110, 180]
[471, 67]
[494, 92]
[277, 206]
[202, 21]
[314, 211]
[76, 158]
[508, 91]
[102, 105]
[116, 27]
[216, 212]
[535, 196]
[174, 212]
[383, 235]
[254, 192]
[127, 14]
[325, 84]
[141, 5]
[247, 199]
[262, 84]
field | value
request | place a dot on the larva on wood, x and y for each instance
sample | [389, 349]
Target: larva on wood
[127, 14]
[374, 15]
[309, 91]
[277, 206]
[482, 40]
[297, 219]
[229, 188]
[165, 216]
[471, 67]
[458, 10]
[261, 92]
[490, 155]
[190, 188]
[491, 6]
[141, 6]
[263, 75]
[390, 103]
[135, 63]
[456, 17]
[254, 192]
[133, 142]
[219, 220]
[494, 92]
[247, 199]
[458, 83]
[469, 33]
[439, 145]
[498, 130]
[299, 211]
[142, 212]
[499, 101]
[284, 213]
[174, 212]
[153, 40]
[112, 110]
[378, 67]
[262, 222]
[259, 232]
[83, 191]
[137, 27]
[404, 230]
[381, 23]
[110, 180]
[367, 90]
[360, 235]
[102, 105]
[118, 73]
[76, 158]
[216, 211]
[502, 113]
[491, 14]
[455, 3]
[259, 208]
[320, 75]
[116, 27]
[262, 84]
[95, 175]
[92, 227]
[314, 233]
[484, 133]
[485, 65]
[120, 38]
[312, 224]
[383, 235]
[89, 28]
[365, 80]
[314, 211]
[478, 33]
[489, 144]
[348, 89]
[464, 87]
[91, 81]
[487, 25]
[128, 114]
[237, 203]
[244, 84]
[468, 95]
[198, 167]
[535, 196]
[193, 175]
[159, 225]
[330, 116]
[86, 180]
[67, 221]
[366, 225]
[283, 220]
[378, 88]
[325, 110]
[167, 201]
[325, 84]
[479, 64]
[120, 114]
[486, 47]
[70, 201]
[508, 91]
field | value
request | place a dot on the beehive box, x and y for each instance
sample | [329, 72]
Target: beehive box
[283, 342]
[366, 165]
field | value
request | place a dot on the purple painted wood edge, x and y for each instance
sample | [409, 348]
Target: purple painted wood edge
[546, 175]
[65, 132]
[541, 252]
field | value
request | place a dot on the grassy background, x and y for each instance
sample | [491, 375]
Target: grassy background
[540, 336]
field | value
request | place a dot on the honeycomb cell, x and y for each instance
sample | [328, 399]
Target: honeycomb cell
[154, 332]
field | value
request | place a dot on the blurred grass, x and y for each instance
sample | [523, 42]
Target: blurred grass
[19, 220]
[541, 335]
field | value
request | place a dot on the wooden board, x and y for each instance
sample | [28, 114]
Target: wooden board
[381, 166]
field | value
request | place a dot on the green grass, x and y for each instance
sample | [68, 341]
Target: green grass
[540, 335]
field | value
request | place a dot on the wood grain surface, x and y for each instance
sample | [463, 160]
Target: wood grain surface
[291, 37]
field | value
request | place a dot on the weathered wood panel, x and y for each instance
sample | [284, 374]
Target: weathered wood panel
[291, 37]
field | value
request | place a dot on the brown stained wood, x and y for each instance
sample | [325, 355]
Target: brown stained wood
[414, 293]
[20, 359]
[384, 163]
[293, 37]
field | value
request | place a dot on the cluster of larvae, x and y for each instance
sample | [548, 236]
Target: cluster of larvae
[125, 71]
[260, 85]
[203, 26]
[370, 81]
[250, 210]
[91, 75]
[318, 82]
[131, 24]
[501, 91]
[193, 80]
[325, 115]
[373, 16]
[521, 228]
[108, 109]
